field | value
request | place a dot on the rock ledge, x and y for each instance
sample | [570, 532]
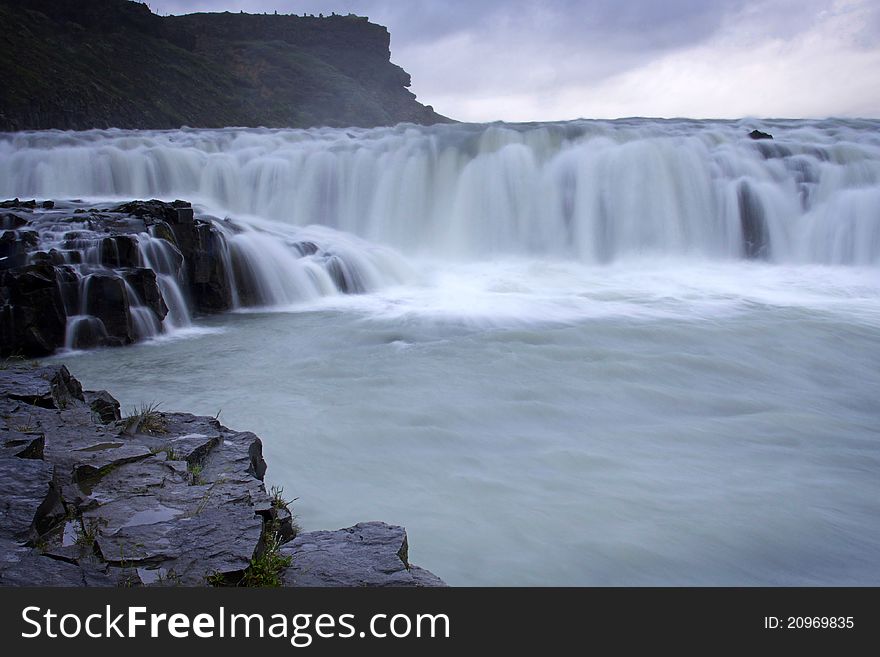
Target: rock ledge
[88, 498]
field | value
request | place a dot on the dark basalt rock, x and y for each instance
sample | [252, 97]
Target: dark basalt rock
[756, 236]
[757, 134]
[107, 299]
[104, 406]
[32, 313]
[204, 252]
[368, 554]
[143, 282]
[23, 445]
[120, 251]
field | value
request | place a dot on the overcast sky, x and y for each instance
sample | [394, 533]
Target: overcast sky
[518, 60]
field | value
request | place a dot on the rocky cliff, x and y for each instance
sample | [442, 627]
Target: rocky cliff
[80, 64]
[91, 498]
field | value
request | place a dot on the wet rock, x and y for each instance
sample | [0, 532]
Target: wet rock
[23, 566]
[120, 251]
[368, 554]
[756, 236]
[757, 134]
[27, 499]
[45, 387]
[107, 299]
[32, 316]
[104, 406]
[143, 282]
[205, 253]
[10, 220]
[17, 204]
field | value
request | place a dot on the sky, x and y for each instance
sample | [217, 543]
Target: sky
[520, 60]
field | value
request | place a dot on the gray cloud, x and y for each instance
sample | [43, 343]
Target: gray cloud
[520, 59]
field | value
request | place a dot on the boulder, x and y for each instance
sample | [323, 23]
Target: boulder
[144, 283]
[107, 299]
[32, 313]
[120, 251]
[104, 406]
[757, 134]
[205, 253]
[368, 554]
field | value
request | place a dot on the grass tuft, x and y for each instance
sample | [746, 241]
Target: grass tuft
[265, 570]
[146, 419]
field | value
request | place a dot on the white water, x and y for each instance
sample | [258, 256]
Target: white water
[564, 367]
[591, 191]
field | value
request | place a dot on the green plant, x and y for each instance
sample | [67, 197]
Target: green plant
[195, 471]
[169, 451]
[277, 495]
[171, 578]
[217, 579]
[146, 419]
[266, 568]
[87, 532]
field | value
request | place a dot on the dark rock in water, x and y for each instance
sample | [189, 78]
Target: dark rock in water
[14, 247]
[32, 314]
[107, 299]
[47, 205]
[143, 282]
[87, 333]
[757, 134]
[305, 248]
[756, 237]
[104, 406]
[368, 554]
[120, 251]
[18, 204]
[11, 220]
[205, 253]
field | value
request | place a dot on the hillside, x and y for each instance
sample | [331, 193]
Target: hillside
[80, 64]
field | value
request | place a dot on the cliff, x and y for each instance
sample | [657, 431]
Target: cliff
[91, 498]
[80, 64]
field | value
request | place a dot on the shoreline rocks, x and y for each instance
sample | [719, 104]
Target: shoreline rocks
[88, 498]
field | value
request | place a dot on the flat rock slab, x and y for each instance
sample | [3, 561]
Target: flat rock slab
[192, 547]
[25, 485]
[368, 554]
[21, 566]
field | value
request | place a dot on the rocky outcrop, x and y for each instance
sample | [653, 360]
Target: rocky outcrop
[86, 277]
[757, 135]
[368, 554]
[156, 499]
[80, 277]
[200, 70]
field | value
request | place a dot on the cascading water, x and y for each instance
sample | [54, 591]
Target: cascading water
[603, 353]
[592, 191]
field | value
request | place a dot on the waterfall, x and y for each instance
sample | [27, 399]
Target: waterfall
[592, 191]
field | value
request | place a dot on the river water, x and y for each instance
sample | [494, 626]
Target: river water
[590, 353]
